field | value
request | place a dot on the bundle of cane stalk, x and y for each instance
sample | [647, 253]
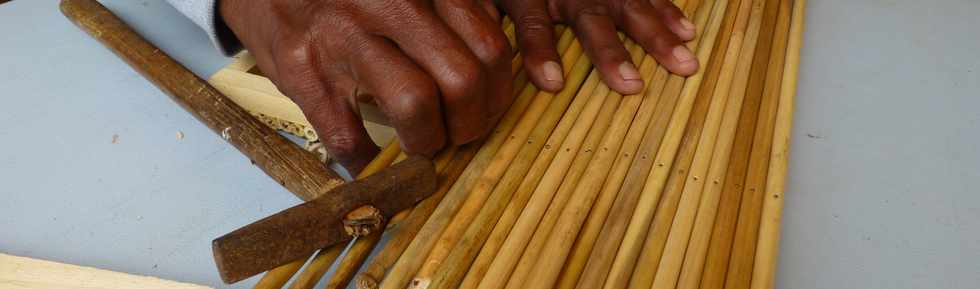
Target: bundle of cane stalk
[679, 186]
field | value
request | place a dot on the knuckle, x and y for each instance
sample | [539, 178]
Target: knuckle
[628, 6]
[341, 143]
[494, 49]
[589, 11]
[534, 23]
[413, 102]
[462, 80]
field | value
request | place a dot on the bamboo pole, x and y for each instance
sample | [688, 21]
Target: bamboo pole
[565, 188]
[622, 185]
[537, 243]
[276, 278]
[508, 193]
[486, 168]
[763, 274]
[739, 273]
[553, 163]
[504, 264]
[712, 270]
[542, 190]
[540, 148]
[624, 175]
[767, 63]
[623, 142]
[670, 227]
[567, 136]
[679, 120]
[594, 274]
[320, 263]
[700, 198]
[511, 162]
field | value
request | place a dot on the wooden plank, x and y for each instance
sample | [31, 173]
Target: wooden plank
[21, 272]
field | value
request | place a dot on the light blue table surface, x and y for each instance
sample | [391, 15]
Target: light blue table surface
[883, 188]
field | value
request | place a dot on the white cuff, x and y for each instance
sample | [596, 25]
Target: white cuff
[204, 13]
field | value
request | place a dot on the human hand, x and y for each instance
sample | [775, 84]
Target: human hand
[657, 25]
[439, 70]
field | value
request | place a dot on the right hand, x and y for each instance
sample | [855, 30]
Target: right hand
[439, 70]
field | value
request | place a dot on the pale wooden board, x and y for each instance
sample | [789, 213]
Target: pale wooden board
[21, 272]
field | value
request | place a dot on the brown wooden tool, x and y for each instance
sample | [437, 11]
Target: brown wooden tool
[351, 210]
[296, 169]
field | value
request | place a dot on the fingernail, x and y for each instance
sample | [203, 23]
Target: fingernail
[682, 54]
[628, 72]
[552, 71]
[687, 24]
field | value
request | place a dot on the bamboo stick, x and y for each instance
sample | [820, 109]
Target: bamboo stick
[276, 278]
[624, 174]
[485, 170]
[568, 135]
[527, 168]
[715, 264]
[679, 120]
[619, 146]
[511, 162]
[594, 274]
[541, 190]
[567, 185]
[509, 30]
[763, 274]
[622, 185]
[672, 228]
[320, 263]
[690, 275]
[740, 265]
[526, 260]
[537, 243]
[700, 198]
[767, 63]
[553, 162]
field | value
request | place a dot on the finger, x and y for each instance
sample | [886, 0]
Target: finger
[403, 91]
[644, 24]
[459, 74]
[483, 36]
[491, 10]
[597, 31]
[536, 39]
[325, 94]
[674, 18]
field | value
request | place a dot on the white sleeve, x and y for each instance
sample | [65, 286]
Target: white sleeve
[205, 14]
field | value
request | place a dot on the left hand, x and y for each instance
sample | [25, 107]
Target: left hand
[657, 25]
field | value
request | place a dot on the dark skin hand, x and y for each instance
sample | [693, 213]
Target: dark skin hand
[438, 70]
